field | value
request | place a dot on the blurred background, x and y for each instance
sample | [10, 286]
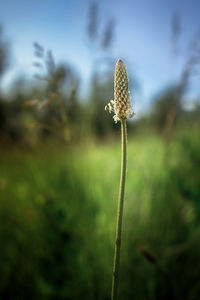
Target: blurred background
[60, 150]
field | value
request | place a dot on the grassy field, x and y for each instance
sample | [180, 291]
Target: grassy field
[58, 214]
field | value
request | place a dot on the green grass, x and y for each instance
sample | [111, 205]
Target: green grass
[58, 214]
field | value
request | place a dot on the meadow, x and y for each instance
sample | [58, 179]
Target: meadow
[58, 213]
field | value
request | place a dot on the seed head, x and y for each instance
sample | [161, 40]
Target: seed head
[121, 104]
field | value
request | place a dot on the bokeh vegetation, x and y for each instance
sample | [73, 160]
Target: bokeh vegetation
[59, 180]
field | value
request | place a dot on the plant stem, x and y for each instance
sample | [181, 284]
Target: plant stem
[120, 212]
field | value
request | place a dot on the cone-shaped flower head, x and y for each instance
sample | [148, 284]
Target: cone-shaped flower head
[121, 105]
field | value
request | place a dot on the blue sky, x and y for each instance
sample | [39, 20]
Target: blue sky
[142, 37]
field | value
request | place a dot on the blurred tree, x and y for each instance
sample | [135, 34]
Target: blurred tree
[16, 114]
[4, 62]
[4, 53]
[101, 90]
[60, 85]
[168, 107]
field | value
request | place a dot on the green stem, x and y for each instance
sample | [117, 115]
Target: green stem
[119, 213]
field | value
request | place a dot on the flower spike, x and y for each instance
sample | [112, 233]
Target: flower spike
[121, 105]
